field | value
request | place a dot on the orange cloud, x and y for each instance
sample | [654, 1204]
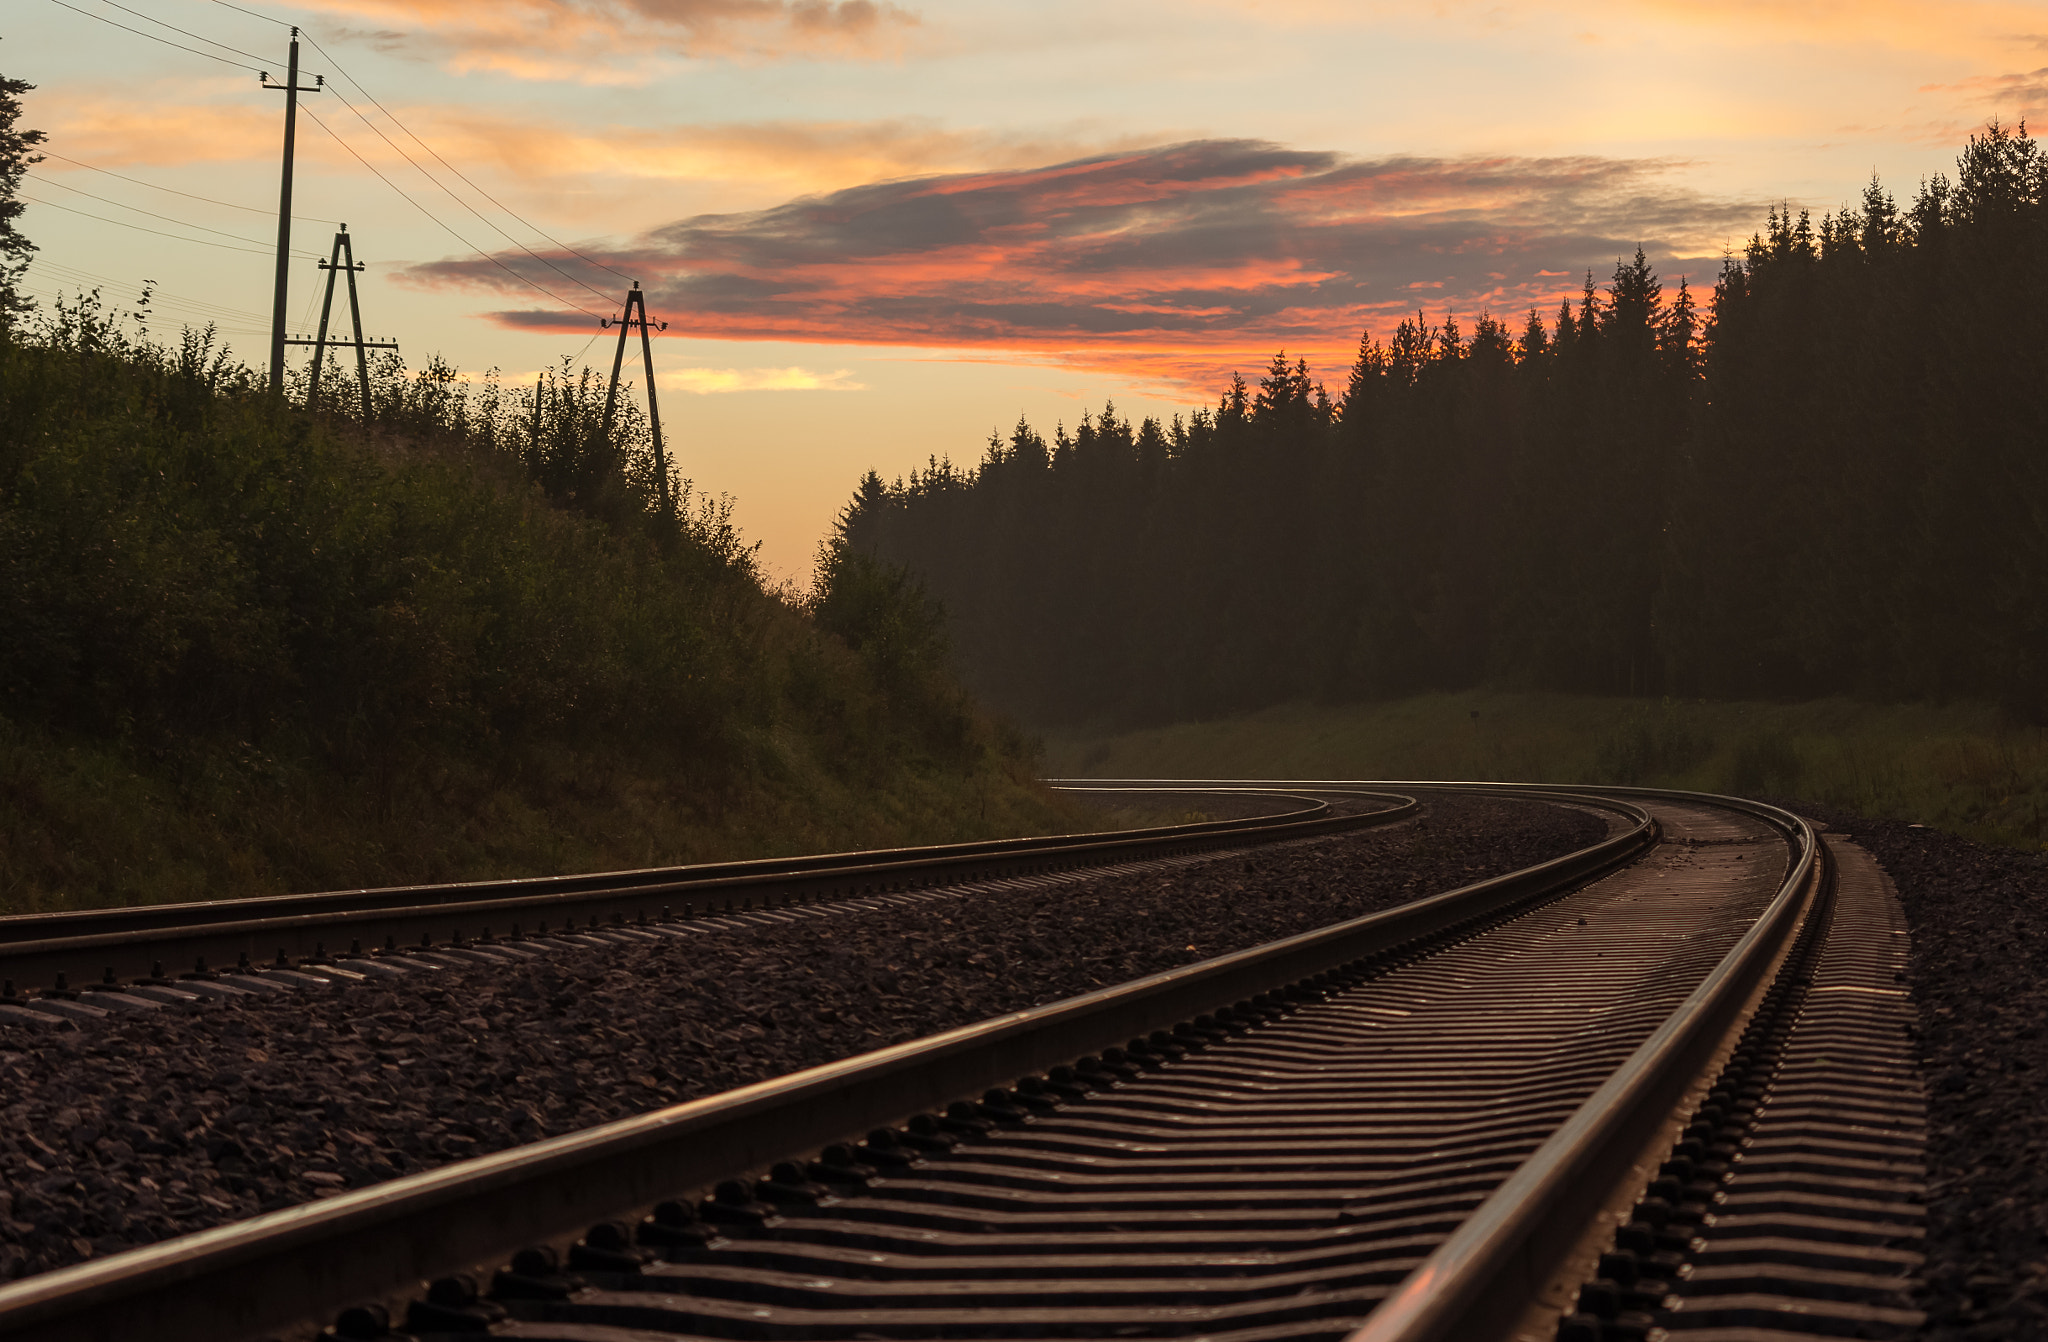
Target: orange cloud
[794, 156]
[711, 381]
[1974, 29]
[2015, 96]
[114, 133]
[619, 41]
[1171, 264]
[552, 155]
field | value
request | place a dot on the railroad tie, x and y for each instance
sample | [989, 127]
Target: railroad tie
[1276, 1182]
[1820, 1226]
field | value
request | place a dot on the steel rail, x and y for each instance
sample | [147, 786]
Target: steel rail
[255, 1276]
[137, 942]
[1481, 1281]
[137, 917]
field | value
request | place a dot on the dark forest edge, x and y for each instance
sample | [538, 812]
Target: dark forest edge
[1828, 480]
[252, 649]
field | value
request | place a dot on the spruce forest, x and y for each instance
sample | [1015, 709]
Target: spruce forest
[1828, 477]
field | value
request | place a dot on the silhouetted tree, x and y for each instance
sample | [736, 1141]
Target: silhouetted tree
[16, 157]
[1827, 481]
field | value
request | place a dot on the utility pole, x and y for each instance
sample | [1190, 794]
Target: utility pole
[636, 299]
[342, 248]
[291, 90]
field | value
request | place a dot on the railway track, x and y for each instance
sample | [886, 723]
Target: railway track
[75, 956]
[1654, 1085]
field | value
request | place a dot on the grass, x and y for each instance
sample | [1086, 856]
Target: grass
[1958, 767]
[90, 823]
[246, 649]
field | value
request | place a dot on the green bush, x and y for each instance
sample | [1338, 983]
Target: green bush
[181, 554]
[463, 601]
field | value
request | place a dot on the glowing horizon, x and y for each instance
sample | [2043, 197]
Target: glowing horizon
[879, 230]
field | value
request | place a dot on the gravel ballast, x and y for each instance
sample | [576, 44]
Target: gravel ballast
[1979, 976]
[134, 1129]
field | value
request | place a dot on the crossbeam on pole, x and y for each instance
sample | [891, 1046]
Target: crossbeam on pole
[636, 300]
[343, 262]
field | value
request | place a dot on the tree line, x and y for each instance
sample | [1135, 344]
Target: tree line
[1829, 478]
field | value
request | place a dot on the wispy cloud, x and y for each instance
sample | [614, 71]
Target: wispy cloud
[759, 159]
[2015, 96]
[1173, 263]
[1959, 28]
[1955, 27]
[708, 381]
[619, 41]
[785, 155]
[119, 132]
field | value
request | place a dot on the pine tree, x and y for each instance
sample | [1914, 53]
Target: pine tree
[1633, 299]
[1802, 237]
[861, 521]
[15, 159]
[1153, 447]
[1491, 342]
[1410, 351]
[1450, 341]
[1027, 448]
[1678, 335]
[1999, 177]
[1567, 338]
[1235, 406]
[1882, 227]
[1589, 310]
[1279, 393]
[1932, 209]
[1362, 390]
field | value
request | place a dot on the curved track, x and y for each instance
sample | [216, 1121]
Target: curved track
[64, 953]
[1425, 1123]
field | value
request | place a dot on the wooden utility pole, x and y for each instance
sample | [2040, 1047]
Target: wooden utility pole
[635, 300]
[342, 248]
[291, 90]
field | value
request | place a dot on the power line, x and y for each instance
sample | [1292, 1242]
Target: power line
[457, 171]
[180, 31]
[73, 275]
[154, 38]
[460, 175]
[345, 145]
[444, 227]
[122, 223]
[221, 317]
[219, 328]
[157, 300]
[306, 316]
[452, 196]
[183, 223]
[137, 181]
[76, 275]
[254, 15]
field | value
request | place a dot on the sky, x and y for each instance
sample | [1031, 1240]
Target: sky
[878, 232]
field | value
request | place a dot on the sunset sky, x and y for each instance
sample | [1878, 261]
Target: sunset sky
[878, 231]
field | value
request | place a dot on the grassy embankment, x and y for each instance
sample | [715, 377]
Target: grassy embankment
[246, 649]
[1959, 768]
